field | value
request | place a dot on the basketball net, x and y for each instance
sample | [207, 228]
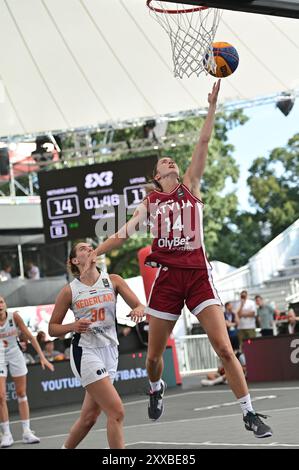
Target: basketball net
[191, 30]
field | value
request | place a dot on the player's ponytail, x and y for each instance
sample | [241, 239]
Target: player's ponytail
[72, 267]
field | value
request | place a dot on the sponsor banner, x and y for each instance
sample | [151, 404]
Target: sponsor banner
[46, 388]
[272, 358]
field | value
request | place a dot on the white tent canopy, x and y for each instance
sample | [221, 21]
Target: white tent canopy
[79, 63]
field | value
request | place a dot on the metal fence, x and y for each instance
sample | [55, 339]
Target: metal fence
[195, 354]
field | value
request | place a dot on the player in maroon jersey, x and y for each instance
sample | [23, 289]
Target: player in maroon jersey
[173, 211]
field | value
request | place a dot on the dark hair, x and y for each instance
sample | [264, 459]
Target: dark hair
[39, 336]
[7, 265]
[154, 181]
[72, 267]
[226, 304]
[258, 297]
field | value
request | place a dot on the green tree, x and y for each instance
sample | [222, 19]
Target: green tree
[241, 238]
[274, 182]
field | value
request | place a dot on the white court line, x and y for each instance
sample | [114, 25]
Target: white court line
[162, 423]
[232, 403]
[166, 397]
[209, 443]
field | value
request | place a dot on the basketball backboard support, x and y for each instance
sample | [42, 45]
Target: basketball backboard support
[288, 8]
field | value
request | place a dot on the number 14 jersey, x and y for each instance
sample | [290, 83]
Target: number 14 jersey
[175, 222]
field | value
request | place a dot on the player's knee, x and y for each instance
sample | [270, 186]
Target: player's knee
[152, 359]
[225, 353]
[89, 420]
[21, 396]
[118, 413]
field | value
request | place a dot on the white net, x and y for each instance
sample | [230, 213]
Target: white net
[191, 31]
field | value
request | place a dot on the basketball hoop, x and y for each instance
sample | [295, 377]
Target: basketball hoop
[191, 30]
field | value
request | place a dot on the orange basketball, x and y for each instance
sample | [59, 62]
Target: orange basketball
[226, 58]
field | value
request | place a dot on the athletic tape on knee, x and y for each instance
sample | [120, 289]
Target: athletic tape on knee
[21, 399]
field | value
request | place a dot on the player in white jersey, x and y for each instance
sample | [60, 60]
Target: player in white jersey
[11, 357]
[94, 351]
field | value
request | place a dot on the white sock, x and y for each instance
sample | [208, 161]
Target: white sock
[155, 386]
[245, 403]
[5, 427]
[26, 425]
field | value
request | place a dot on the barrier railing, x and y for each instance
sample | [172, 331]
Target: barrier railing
[195, 354]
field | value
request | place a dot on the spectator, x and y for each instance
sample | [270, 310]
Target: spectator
[219, 377]
[246, 313]
[50, 352]
[123, 330]
[293, 326]
[5, 274]
[32, 271]
[231, 323]
[67, 353]
[265, 316]
[28, 358]
[41, 338]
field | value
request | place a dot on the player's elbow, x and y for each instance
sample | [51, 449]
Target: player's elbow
[52, 329]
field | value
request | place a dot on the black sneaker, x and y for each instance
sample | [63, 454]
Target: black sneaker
[254, 423]
[156, 407]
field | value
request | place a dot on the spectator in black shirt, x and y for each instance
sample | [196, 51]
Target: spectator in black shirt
[231, 324]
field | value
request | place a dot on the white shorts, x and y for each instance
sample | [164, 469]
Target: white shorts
[15, 361]
[92, 364]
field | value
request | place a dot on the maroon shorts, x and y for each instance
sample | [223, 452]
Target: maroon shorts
[174, 287]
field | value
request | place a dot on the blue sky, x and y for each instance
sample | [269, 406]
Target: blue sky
[266, 129]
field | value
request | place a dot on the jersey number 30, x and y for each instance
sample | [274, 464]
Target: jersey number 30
[98, 314]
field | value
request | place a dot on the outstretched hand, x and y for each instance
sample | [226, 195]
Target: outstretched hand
[137, 314]
[212, 97]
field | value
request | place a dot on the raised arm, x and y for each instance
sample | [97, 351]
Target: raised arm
[196, 168]
[119, 238]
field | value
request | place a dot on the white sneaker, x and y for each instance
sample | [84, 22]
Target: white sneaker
[7, 440]
[206, 382]
[30, 438]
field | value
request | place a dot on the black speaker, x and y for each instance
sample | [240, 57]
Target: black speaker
[286, 104]
[41, 155]
[4, 161]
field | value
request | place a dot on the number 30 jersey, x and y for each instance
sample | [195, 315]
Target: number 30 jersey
[175, 223]
[98, 304]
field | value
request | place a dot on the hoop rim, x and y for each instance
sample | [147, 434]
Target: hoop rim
[174, 12]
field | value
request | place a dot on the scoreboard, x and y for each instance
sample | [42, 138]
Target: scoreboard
[74, 199]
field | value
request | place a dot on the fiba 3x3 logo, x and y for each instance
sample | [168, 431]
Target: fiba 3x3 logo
[92, 180]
